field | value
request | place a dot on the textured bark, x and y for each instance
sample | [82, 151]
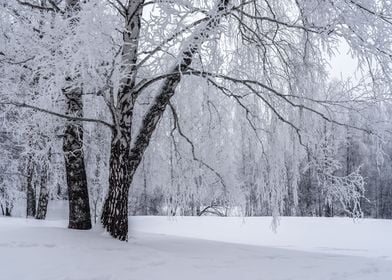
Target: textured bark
[31, 190]
[44, 192]
[79, 204]
[79, 207]
[42, 203]
[123, 160]
[115, 210]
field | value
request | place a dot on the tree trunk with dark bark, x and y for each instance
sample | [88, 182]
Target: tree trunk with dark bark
[79, 204]
[31, 190]
[43, 200]
[115, 210]
[123, 164]
[43, 193]
[8, 211]
[123, 160]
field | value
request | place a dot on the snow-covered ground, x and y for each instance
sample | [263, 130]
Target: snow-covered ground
[161, 248]
[361, 237]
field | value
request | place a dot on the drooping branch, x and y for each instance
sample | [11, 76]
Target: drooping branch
[42, 110]
[250, 85]
[187, 139]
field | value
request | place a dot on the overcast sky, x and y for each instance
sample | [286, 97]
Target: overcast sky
[343, 65]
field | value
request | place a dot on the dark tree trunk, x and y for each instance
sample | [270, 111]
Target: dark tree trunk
[43, 194]
[31, 190]
[79, 207]
[144, 199]
[115, 210]
[8, 211]
[42, 203]
[79, 204]
[123, 164]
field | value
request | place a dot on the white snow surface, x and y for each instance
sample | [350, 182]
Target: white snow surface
[359, 237]
[184, 248]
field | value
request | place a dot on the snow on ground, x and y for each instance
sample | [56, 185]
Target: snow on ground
[361, 237]
[46, 250]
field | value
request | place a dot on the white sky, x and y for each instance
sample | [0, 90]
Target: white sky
[343, 65]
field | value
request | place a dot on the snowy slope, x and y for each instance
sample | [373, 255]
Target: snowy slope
[43, 250]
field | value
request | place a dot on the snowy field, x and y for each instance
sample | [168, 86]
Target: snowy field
[189, 248]
[365, 237]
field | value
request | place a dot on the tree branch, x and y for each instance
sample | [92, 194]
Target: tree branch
[195, 158]
[35, 108]
[39, 7]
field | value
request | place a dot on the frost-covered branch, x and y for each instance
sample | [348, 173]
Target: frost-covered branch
[43, 110]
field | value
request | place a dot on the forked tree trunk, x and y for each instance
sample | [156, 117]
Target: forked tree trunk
[6, 208]
[123, 160]
[123, 164]
[115, 210]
